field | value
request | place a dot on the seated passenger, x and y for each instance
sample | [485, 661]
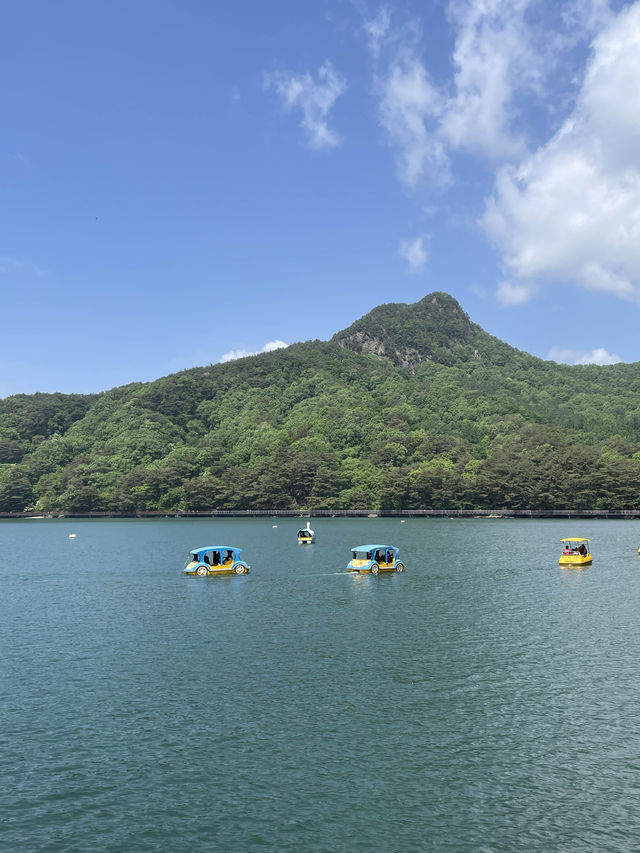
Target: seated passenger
[567, 550]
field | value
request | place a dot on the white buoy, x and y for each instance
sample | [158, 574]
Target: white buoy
[72, 535]
[402, 522]
[274, 525]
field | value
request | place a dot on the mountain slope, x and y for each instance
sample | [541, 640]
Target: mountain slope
[411, 406]
[433, 329]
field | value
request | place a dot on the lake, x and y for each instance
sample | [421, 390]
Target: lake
[484, 700]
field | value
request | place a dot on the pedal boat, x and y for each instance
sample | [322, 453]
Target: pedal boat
[372, 559]
[215, 560]
[575, 553]
[306, 536]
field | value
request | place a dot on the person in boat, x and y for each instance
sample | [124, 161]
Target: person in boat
[567, 550]
[389, 557]
[582, 550]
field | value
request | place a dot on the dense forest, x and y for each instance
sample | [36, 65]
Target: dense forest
[413, 406]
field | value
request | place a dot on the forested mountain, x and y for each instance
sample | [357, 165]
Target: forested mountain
[413, 406]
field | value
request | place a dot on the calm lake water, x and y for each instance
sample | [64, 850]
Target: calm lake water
[484, 700]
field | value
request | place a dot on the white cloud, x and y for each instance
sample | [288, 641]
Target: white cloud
[414, 253]
[274, 345]
[494, 58]
[243, 353]
[513, 294]
[409, 105]
[599, 355]
[583, 17]
[314, 99]
[507, 55]
[376, 30]
[571, 211]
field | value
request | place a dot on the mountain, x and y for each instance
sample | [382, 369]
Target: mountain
[434, 329]
[411, 406]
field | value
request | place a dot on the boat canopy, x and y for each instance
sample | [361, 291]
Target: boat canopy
[216, 548]
[575, 539]
[373, 547]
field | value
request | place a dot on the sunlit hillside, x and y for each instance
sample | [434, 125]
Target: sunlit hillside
[413, 406]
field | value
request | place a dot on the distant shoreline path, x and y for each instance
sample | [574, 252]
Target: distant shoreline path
[344, 513]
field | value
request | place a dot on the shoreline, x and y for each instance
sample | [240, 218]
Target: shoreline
[341, 513]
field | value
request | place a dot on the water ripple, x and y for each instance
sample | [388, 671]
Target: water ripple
[480, 703]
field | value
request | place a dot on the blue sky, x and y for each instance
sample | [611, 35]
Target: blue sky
[181, 182]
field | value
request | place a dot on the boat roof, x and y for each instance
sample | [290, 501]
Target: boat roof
[575, 539]
[216, 548]
[372, 547]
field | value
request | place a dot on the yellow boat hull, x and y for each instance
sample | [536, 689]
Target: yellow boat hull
[227, 569]
[382, 567]
[575, 560]
[369, 572]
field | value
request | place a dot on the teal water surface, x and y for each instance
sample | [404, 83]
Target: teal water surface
[484, 700]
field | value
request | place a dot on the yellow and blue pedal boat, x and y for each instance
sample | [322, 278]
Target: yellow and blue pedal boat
[215, 560]
[372, 559]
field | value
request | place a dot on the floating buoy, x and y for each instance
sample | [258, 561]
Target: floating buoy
[274, 525]
[402, 522]
[72, 535]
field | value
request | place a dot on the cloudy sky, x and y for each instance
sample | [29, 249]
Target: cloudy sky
[185, 183]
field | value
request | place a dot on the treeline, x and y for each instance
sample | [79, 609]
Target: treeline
[412, 407]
